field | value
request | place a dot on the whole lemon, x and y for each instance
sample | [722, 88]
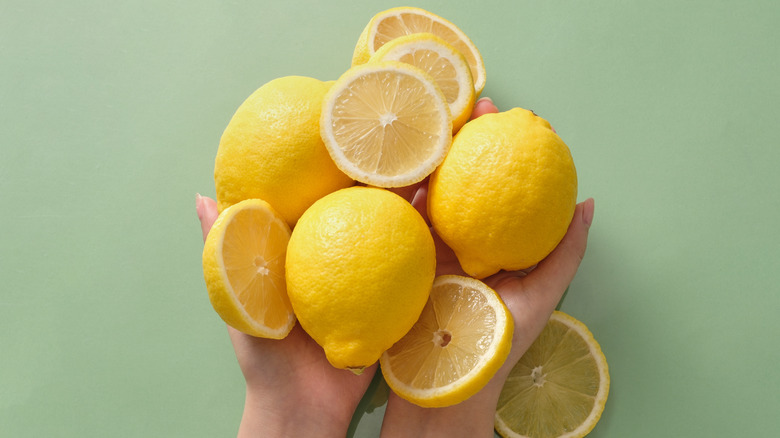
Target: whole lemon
[360, 266]
[271, 149]
[505, 195]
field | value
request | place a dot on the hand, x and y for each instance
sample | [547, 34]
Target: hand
[291, 388]
[530, 295]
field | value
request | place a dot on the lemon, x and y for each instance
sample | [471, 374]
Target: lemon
[243, 265]
[445, 64]
[558, 388]
[505, 195]
[461, 339]
[271, 149]
[360, 265]
[396, 22]
[386, 124]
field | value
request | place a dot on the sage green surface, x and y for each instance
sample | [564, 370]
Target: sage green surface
[110, 116]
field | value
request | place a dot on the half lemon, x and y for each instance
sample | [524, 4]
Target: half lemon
[386, 124]
[558, 388]
[461, 339]
[243, 265]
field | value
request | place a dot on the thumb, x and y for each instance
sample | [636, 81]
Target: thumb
[207, 213]
[553, 274]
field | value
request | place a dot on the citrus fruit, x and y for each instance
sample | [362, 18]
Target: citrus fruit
[505, 195]
[559, 386]
[243, 265]
[386, 124]
[271, 149]
[360, 264]
[393, 23]
[461, 339]
[445, 64]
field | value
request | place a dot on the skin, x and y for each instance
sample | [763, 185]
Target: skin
[292, 390]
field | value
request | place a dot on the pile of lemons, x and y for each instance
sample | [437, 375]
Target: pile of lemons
[309, 231]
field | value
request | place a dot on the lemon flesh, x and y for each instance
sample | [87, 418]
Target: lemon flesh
[558, 388]
[386, 124]
[396, 22]
[243, 265]
[360, 265]
[461, 339]
[445, 64]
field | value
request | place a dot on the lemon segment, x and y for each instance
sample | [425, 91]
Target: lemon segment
[396, 22]
[386, 124]
[243, 265]
[445, 64]
[461, 339]
[360, 265]
[558, 388]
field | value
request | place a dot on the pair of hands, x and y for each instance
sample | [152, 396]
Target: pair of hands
[292, 390]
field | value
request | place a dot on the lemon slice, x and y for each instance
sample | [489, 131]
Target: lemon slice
[445, 64]
[243, 265]
[559, 387]
[461, 339]
[393, 23]
[386, 124]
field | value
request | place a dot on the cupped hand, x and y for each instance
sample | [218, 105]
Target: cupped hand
[531, 296]
[291, 388]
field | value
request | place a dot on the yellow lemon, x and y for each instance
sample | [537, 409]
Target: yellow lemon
[396, 22]
[558, 388]
[386, 124]
[445, 64]
[360, 265]
[272, 149]
[243, 265]
[461, 339]
[505, 195]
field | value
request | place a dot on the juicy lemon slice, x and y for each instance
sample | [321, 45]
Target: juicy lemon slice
[243, 265]
[461, 339]
[393, 23]
[386, 124]
[559, 387]
[445, 64]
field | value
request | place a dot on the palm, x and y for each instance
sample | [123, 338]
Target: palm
[297, 365]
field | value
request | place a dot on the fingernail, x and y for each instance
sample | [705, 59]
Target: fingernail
[199, 205]
[486, 99]
[588, 208]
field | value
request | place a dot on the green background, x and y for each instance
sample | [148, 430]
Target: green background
[111, 112]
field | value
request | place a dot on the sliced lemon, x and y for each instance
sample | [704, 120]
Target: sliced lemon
[393, 23]
[243, 265]
[445, 64]
[461, 339]
[386, 124]
[558, 388]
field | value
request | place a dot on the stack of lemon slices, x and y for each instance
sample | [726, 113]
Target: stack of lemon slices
[386, 122]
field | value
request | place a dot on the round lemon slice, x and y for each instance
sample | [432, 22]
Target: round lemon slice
[461, 339]
[445, 64]
[393, 23]
[386, 124]
[558, 388]
[243, 265]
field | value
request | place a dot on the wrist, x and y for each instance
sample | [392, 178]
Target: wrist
[265, 417]
[471, 418]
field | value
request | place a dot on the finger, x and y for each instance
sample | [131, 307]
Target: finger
[407, 192]
[546, 284]
[207, 213]
[483, 106]
[420, 201]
